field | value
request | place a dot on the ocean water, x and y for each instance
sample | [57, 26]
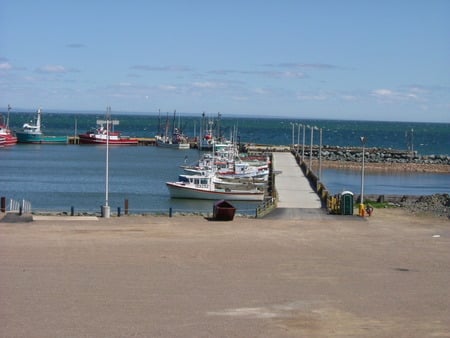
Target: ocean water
[426, 138]
[58, 177]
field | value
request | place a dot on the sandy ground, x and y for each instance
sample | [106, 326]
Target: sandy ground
[333, 276]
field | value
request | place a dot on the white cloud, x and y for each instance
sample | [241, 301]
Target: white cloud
[312, 96]
[347, 97]
[410, 94]
[5, 66]
[173, 68]
[383, 93]
[289, 74]
[52, 69]
[167, 87]
[208, 85]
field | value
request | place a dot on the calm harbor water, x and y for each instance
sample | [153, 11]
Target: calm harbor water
[57, 177]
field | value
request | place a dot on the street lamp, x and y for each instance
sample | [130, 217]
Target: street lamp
[303, 145]
[361, 203]
[293, 125]
[106, 211]
[320, 153]
[311, 146]
[298, 137]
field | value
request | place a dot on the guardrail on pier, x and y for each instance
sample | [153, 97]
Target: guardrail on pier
[22, 207]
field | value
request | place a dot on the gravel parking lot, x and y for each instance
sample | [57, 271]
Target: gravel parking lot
[154, 276]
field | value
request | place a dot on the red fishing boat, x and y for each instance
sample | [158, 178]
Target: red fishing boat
[5, 132]
[100, 135]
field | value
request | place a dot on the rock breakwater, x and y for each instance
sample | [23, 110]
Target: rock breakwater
[435, 205]
[374, 158]
[378, 155]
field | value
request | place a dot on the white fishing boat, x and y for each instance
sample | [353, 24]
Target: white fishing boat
[203, 187]
[176, 141]
[244, 170]
[208, 164]
[239, 184]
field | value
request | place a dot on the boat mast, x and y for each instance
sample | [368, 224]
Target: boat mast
[7, 117]
[38, 120]
[159, 122]
[173, 121]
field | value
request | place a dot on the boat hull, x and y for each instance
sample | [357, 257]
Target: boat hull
[39, 138]
[177, 190]
[87, 139]
[28, 138]
[9, 139]
[163, 144]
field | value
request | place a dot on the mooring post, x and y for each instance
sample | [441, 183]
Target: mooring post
[126, 206]
[3, 204]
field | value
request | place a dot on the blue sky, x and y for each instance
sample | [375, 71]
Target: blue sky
[372, 60]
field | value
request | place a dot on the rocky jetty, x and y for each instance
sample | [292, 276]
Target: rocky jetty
[354, 154]
[436, 205]
[377, 155]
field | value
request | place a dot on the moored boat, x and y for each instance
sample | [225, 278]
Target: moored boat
[100, 135]
[5, 133]
[203, 187]
[177, 141]
[32, 133]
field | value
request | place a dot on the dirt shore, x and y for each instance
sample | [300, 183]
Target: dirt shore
[387, 167]
[135, 276]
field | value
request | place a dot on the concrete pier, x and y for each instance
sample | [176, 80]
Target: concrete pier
[293, 188]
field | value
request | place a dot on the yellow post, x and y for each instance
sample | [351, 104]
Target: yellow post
[362, 210]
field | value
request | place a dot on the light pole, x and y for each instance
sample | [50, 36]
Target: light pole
[298, 137]
[293, 125]
[106, 211]
[303, 145]
[311, 146]
[320, 153]
[361, 203]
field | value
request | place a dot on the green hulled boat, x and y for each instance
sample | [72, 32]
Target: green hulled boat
[32, 133]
